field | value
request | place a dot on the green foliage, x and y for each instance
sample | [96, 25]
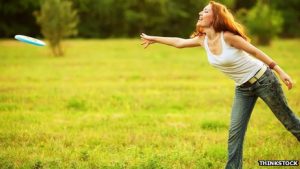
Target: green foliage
[57, 20]
[240, 4]
[5, 163]
[116, 129]
[263, 22]
[290, 13]
[38, 165]
[76, 104]
[120, 18]
[16, 18]
[217, 151]
[213, 125]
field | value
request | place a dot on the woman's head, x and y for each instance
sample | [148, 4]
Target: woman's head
[206, 17]
[218, 17]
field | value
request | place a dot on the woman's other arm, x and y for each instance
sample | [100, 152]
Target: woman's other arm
[171, 41]
[240, 43]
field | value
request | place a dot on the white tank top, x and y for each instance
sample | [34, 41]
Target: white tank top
[235, 63]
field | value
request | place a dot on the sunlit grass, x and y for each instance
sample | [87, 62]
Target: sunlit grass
[112, 104]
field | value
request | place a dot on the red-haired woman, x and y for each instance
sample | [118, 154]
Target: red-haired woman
[228, 50]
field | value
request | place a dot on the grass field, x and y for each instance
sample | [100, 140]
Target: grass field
[112, 104]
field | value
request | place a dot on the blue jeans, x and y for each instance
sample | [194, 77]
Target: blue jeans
[268, 88]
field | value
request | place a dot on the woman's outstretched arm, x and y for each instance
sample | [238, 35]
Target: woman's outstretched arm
[171, 41]
[238, 42]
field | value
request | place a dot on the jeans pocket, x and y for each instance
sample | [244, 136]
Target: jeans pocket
[270, 81]
[267, 79]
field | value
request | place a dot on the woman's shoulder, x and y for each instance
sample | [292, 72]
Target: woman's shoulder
[230, 38]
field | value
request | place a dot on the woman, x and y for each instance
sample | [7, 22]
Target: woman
[228, 50]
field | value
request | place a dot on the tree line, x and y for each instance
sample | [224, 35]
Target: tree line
[127, 18]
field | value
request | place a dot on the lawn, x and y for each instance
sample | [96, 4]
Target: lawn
[112, 104]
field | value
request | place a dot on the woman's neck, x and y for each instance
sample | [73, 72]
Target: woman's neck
[211, 33]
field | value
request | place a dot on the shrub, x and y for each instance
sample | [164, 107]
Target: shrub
[264, 22]
[57, 20]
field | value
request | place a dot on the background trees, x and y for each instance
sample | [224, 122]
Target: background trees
[119, 18]
[17, 17]
[262, 21]
[58, 20]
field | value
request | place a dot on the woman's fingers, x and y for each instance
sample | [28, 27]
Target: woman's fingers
[143, 35]
[143, 42]
[146, 41]
[146, 45]
[288, 82]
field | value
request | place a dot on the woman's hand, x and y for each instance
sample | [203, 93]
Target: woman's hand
[286, 80]
[147, 40]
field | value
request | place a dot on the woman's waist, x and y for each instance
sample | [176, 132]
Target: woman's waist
[256, 77]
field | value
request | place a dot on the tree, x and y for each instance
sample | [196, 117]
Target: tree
[16, 18]
[57, 20]
[290, 12]
[120, 18]
[263, 22]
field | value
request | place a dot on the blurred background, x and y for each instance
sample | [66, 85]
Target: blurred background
[127, 18]
[110, 104]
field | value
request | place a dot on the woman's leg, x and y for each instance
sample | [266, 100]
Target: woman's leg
[272, 94]
[240, 115]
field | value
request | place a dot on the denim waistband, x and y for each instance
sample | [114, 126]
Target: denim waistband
[248, 84]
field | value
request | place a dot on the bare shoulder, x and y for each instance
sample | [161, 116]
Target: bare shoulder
[231, 38]
[239, 42]
[228, 35]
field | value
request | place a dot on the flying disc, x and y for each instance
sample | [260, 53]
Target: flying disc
[30, 40]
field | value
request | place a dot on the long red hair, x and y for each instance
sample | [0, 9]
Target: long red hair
[223, 20]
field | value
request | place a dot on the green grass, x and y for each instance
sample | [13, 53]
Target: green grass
[112, 104]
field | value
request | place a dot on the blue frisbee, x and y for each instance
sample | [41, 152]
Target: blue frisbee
[30, 40]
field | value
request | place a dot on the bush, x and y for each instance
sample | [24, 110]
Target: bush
[57, 20]
[263, 22]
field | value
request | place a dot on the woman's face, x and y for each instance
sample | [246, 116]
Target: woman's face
[205, 17]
